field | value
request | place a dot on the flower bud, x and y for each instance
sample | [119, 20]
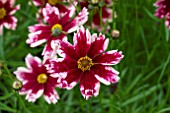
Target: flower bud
[94, 1]
[115, 33]
[17, 85]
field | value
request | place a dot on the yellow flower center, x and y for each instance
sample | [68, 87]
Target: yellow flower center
[56, 29]
[53, 2]
[2, 13]
[42, 78]
[84, 63]
[57, 26]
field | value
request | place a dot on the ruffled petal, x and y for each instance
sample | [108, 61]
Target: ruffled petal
[106, 74]
[112, 57]
[23, 74]
[10, 22]
[32, 90]
[60, 66]
[89, 85]
[79, 20]
[71, 79]
[82, 41]
[50, 95]
[98, 46]
[51, 14]
[37, 2]
[32, 97]
[38, 34]
[61, 8]
[68, 15]
[33, 62]
[49, 52]
[67, 50]
[14, 10]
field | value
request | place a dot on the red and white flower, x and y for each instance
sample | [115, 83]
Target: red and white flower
[57, 27]
[163, 11]
[86, 61]
[37, 81]
[62, 8]
[7, 10]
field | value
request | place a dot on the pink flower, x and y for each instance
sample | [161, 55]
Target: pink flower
[6, 15]
[57, 27]
[86, 61]
[106, 13]
[37, 81]
[163, 10]
[56, 3]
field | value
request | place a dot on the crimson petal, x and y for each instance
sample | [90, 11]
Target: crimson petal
[109, 58]
[72, 77]
[99, 45]
[89, 85]
[82, 41]
[106, 74]
[68, 50]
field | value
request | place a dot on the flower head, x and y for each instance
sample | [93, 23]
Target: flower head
[37, 81]
[86, 61]
[57, 3]
[6, 15]
[163, 10]
[57, 27]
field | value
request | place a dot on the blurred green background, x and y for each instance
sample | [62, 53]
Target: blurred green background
[144, 86]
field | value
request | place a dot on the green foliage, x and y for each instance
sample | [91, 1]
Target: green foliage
[144, 84]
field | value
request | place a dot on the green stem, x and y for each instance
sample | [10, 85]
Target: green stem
[100, 14]
[22, 103]
[91, 18]
[2, 47]
[8, 72]
[113, 14]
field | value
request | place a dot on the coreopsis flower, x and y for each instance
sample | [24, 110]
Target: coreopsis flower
[7, 10]
[36, 81]
[163, 11]
[57, 27]
[57, 3]
[106, 12]
[62, 8]
[86, 61]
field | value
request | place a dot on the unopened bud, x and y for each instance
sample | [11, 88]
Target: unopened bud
[115, 33]
[90, 7]
[94, 1]
[17, 85]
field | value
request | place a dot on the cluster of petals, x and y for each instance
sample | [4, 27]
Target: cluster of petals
[106, 13]
[86, 61]
[163, 11]
[41, 33]
[57, 3]
[36, 80]
[7, 10]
